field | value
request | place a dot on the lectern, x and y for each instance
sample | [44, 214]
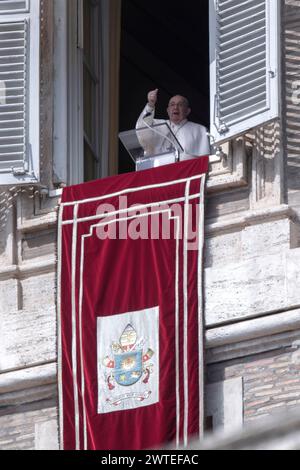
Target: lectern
[150, 147]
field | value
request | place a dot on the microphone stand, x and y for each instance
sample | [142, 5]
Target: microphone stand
[177, 151]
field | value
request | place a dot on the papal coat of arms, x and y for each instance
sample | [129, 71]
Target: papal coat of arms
[128, 364]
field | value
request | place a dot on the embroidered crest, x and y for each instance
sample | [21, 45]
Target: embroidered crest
[129, 364]
[127, 369]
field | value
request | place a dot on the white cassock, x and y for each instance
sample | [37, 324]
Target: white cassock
[191, 136]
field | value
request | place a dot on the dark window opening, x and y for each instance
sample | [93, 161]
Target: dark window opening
[165, 45]
[208, 425]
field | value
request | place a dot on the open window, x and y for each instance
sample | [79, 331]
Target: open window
[222, 54]
[19, 92]
[164, 45]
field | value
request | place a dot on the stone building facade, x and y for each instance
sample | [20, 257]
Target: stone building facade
[252, 250]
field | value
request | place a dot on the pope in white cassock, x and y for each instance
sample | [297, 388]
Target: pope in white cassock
[191, 136]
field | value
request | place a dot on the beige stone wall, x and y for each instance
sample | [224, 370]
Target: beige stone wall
[271, 380]
[20, 427]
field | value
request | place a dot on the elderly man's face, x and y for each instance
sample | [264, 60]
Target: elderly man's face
[178, 109]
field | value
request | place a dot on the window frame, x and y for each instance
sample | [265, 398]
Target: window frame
[30, 172]
[68, 95]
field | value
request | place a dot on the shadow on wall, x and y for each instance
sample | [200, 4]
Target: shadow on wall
[8, 197]
[292, 79]
[6, 205]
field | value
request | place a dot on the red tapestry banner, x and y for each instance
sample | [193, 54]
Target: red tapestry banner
[130, 315]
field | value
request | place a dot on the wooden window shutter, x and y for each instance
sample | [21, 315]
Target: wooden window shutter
[244, 65]
[19, 91]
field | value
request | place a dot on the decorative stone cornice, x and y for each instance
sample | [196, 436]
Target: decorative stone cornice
[28, 269]
[255, 328]
[253, 336]
[250, 218]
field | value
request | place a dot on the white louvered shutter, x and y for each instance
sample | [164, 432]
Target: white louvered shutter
[19, 91]
[244, 65]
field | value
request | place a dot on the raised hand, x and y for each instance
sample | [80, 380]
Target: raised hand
[152, 98]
